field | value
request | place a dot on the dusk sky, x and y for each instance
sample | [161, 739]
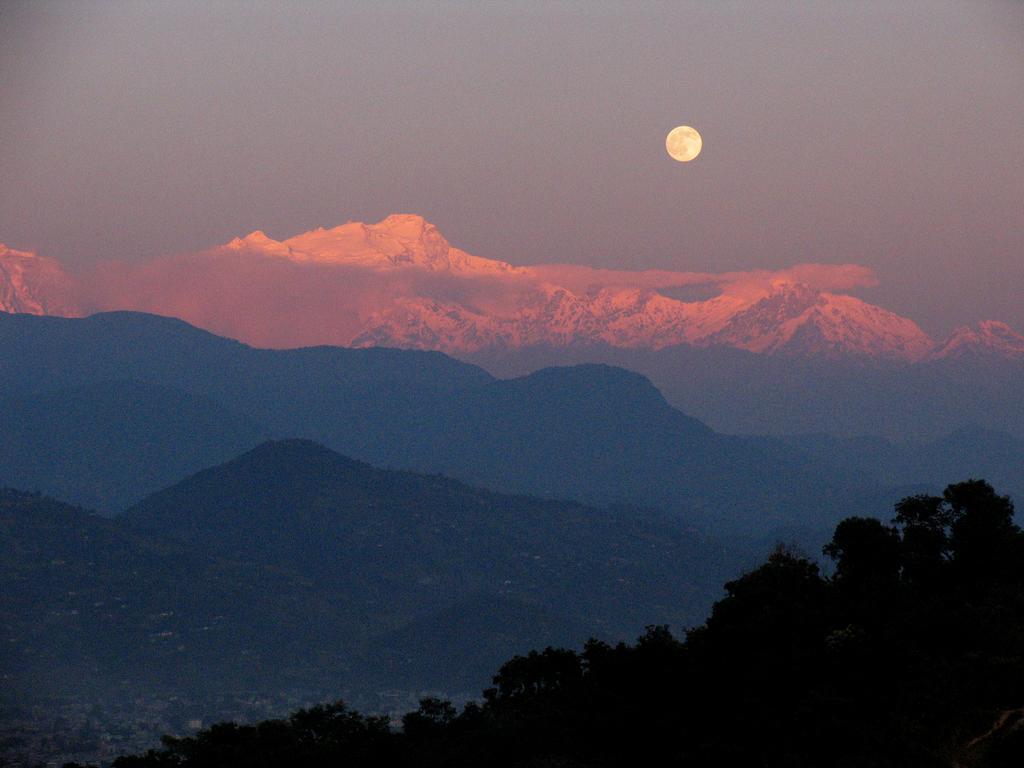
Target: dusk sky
[888, 134]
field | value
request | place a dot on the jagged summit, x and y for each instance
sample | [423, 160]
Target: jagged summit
[408, 225]
[788, 319]
[797, 320]
[400, 283]
[399, 240]
[33, 284]
[776, 315]
[989, 337]
[259, 241]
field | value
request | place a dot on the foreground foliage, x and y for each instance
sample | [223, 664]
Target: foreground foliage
[911, 654]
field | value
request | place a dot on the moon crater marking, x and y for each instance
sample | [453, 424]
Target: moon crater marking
[683, 143]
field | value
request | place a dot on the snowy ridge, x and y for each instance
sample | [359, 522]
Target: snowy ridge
[989, 337]
[33, 285]
[400, 283]
[400, 240]
[793, 320]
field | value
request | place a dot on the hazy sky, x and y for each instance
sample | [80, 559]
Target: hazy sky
[886, 133]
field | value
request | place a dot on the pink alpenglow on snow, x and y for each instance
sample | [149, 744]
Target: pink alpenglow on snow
[34, 285]
[400, 283]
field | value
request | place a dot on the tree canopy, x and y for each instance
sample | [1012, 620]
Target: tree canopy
[910, 654]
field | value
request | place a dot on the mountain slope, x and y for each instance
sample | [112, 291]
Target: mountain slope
[93, 610]
[739, 392]
[371, 397]
[292, 573]
[398, 241]
[592, 433]
[989, 339]
[798, 321]
[106, 444]
[33, 284]
[398, 282]
[56, 352]
[408, 544]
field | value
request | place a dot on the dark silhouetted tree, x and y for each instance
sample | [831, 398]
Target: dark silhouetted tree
[432, 717]
[984, 541]
[924, 523]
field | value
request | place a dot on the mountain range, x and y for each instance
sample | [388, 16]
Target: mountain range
[102, 411]
[399, 283]
[314, 522]
[598, 434]
[739, 392]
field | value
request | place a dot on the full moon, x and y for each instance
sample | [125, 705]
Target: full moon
[683, 143]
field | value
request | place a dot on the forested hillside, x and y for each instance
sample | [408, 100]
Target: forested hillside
[910, 655]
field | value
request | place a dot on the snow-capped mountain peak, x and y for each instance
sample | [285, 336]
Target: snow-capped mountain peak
[33, 284]
[399, 282]
[398, 241]
[795, 319]
[259, 242]
[989, 337]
